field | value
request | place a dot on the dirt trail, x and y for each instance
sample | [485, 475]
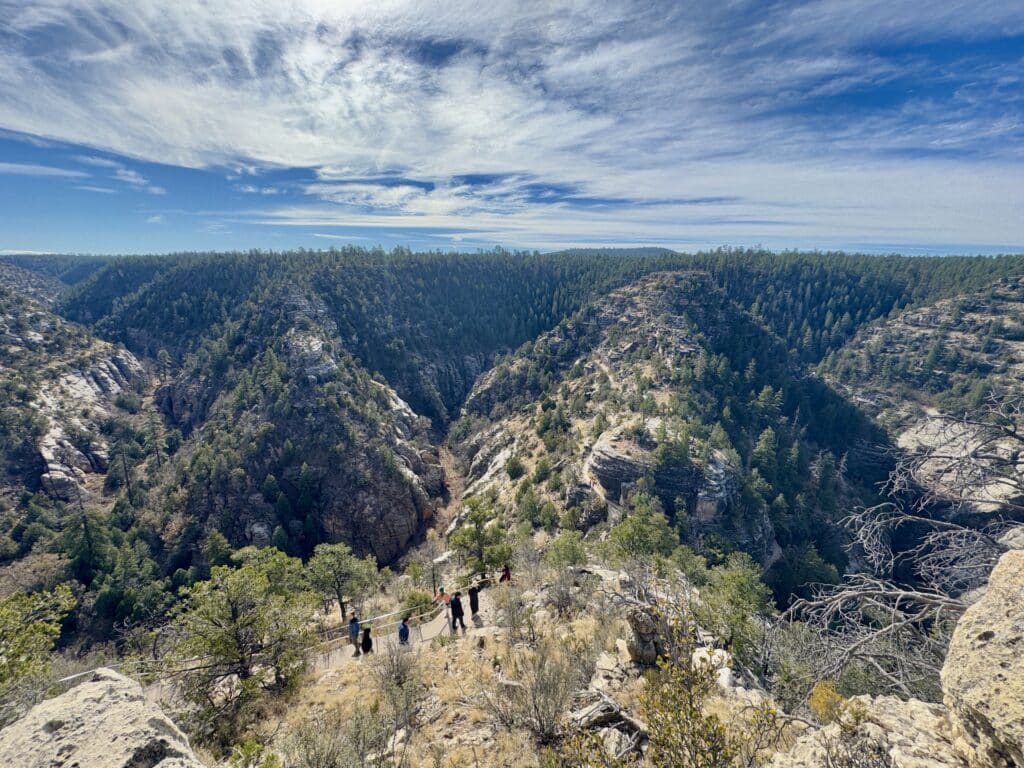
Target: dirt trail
[456, 485]
[341, 654]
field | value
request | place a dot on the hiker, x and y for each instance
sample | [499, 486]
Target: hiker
[474, 601]
[353, 631]
[403, 632]
[506, 575]
[457, 612]
[367, 641]
[444, 599]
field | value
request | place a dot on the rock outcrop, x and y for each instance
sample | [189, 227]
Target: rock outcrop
[885, 731]
[983, 677]
[68, 384]
[617, 462]
[647, 644]
[74, 406]
[981, 723]
[103, 723]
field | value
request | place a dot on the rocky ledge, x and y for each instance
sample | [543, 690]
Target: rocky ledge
[103, 723]
[980, 724]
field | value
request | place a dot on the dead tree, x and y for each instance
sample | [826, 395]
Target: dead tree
[974, 462]
[894, 622]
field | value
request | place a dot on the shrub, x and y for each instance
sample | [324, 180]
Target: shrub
[417, 602]
[515, 468]
[567, 550]
[825, 701]
[128, 401]
[538, 690]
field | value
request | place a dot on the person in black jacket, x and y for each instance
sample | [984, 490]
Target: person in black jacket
[457, 612]
[367, 641]
[474, 601]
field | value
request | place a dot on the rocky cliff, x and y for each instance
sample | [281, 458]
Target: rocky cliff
[64, 384]
[628, 393]
[980, 724]
[599, 378]
[983, 677]
[105, 722]
[918, 373]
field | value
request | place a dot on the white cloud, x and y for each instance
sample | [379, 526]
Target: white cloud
[252, 189]
[128, 176]
[135, 179]
[157, 218]
[98, 190]
[30, 169]
[624, 101]
[99, 162]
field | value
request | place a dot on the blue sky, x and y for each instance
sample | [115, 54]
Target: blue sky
[148, 126]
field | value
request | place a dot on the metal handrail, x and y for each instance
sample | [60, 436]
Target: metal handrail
[435, 610]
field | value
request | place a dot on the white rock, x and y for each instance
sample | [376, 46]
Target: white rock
[103, 723]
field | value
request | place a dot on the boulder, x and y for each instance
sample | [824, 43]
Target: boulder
[885, 732]
[63, 484]
[983, 677]
[609, 673]
[1013, 538]
[647, 643]
[103, 723]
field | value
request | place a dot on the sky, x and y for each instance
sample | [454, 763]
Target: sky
[130, 126]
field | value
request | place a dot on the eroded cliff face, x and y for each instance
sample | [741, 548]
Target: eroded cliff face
[920, 372]
[983, 677]
[105, 722]
[63, 385]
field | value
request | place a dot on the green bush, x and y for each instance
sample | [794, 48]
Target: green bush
[515, 468]
[416, 602]
[128, 401]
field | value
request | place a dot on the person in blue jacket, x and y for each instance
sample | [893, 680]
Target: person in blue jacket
[353, 631]
[403, 632]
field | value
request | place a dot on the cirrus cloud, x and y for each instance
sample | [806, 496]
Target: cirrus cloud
[534, 123]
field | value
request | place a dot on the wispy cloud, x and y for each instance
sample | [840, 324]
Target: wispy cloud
[99, 162]
[252, 189]
[29, 169]
[326, 236]
[157, 218]
[120, 172]
[538, 123]
[98, 190]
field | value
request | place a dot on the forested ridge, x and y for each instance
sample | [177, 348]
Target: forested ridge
[792, 291]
